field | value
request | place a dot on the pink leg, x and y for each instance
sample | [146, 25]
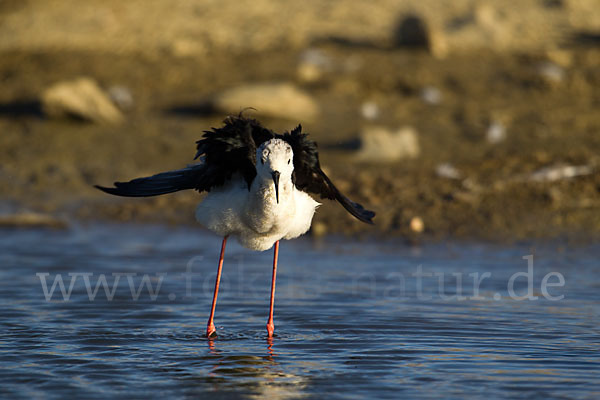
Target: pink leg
[270, 325]
[210, 329]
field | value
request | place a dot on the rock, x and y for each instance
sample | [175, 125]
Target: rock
[281, 100]
[417, 225]
[431, 95]
[413, 31]
[31, 220]
[559, 172]
[447, 170]
[551, 72]
[82, 98]
[121, 96]
[495, 133]
[369, 110]
[379, 144]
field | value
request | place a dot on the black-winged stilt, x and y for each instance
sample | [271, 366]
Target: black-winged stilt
[257, 183]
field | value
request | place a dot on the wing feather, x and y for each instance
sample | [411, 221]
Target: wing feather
[309, 177]
[163, 183]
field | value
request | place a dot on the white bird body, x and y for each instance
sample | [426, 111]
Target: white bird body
[254, 216]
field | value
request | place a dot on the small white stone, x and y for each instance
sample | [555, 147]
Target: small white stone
[447, 170]
[551, 72]
[496, 133]
[559, 172]
[121, 96]
[369, 110]
[431, 95]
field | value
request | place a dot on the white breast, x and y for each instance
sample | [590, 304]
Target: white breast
[254, 216]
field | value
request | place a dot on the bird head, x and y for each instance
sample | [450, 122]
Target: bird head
[275, 160]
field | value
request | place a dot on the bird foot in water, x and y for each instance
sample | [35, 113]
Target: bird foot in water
[211, 331]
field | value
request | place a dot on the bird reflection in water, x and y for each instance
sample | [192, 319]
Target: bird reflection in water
[263, 376]
[271, 356]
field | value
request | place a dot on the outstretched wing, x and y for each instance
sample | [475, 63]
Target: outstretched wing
[224, 152]
[309, 177]
[163, 183]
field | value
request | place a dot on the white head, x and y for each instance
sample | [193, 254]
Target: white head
[275, 160]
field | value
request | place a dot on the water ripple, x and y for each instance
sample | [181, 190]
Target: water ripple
[352, 320]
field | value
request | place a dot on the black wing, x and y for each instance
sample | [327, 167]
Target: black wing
[163, 183]
[224, 152]
[309, 177]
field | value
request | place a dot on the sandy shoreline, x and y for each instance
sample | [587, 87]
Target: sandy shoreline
[50, 165]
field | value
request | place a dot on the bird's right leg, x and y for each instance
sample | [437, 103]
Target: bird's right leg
[270, 325]
[210, 328]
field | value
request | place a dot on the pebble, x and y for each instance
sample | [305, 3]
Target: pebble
[447, 170]
[121, 96]
[560, 172]
[551, 72]
[369, 110]
[495, 133]
[431, 95]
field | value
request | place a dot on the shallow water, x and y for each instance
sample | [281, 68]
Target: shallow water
[352, 318]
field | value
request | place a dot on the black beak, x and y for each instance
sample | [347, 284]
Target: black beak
[275, 175]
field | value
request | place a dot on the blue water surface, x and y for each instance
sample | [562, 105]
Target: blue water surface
[354, 319]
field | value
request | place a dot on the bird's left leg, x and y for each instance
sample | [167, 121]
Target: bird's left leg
[210, 327]
[270, 325]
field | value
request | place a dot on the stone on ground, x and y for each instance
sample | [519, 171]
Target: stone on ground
[81, 98]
